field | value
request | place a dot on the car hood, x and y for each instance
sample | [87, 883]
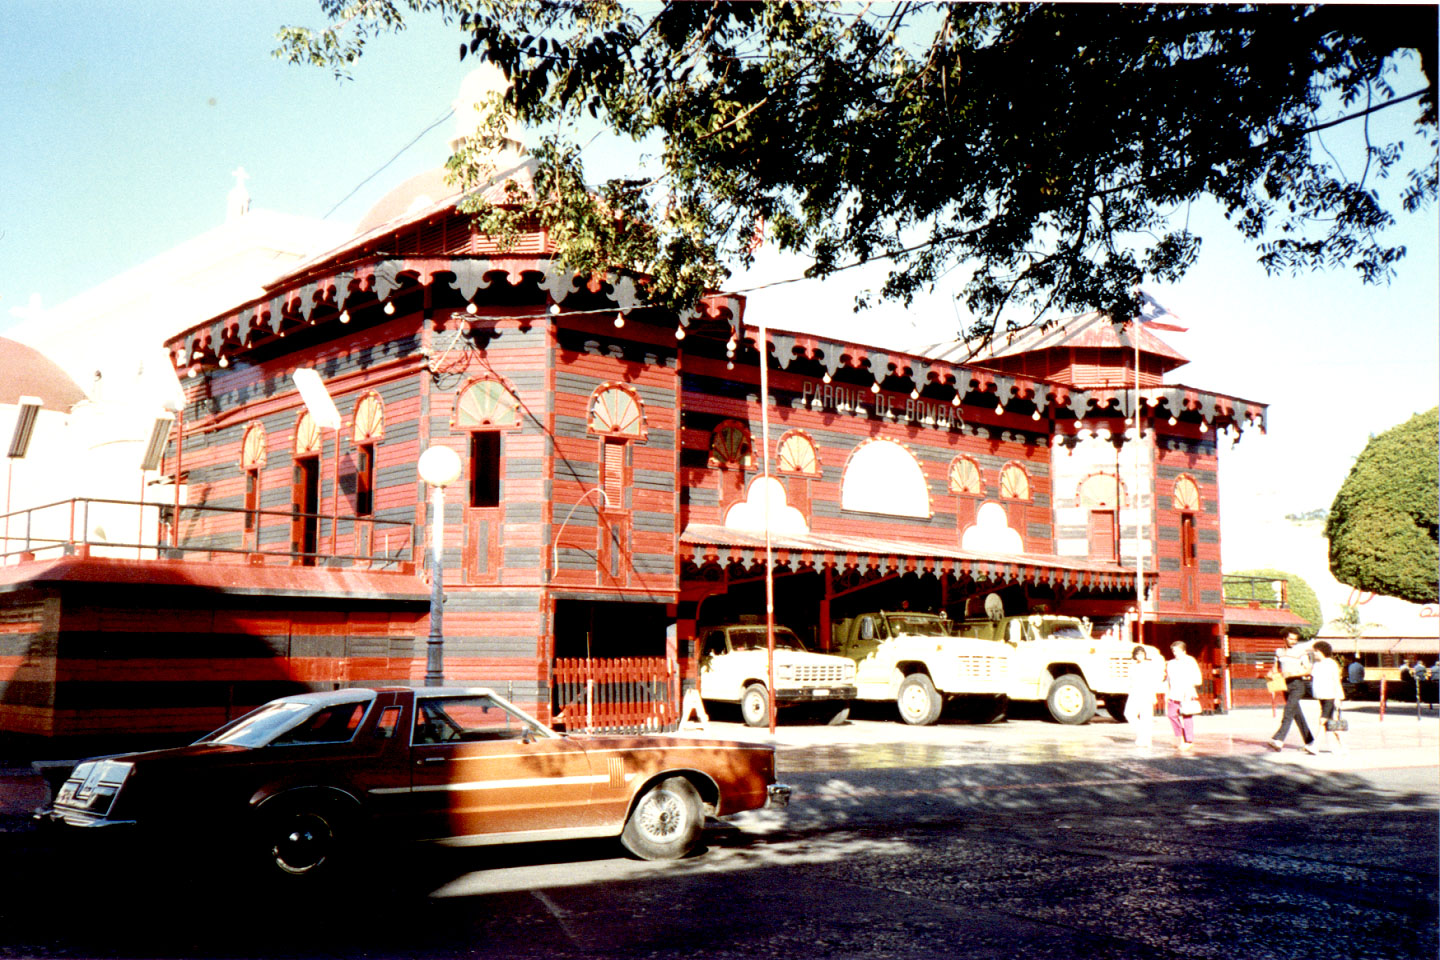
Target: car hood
[795, 657]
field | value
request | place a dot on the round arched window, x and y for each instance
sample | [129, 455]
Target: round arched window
[884, 477]
[730, 444]
[965, 476]
[1014, 483]
[1186, 495]
[616, 411]
[486, 403]
[796, 454]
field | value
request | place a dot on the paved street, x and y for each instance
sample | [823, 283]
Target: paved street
[1016, 840]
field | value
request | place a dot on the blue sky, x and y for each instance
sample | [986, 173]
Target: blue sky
[125, 120]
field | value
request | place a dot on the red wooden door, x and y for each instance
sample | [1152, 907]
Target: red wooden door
[304, 507]
[1102, 535]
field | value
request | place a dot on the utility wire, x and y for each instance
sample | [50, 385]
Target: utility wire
[448, 114]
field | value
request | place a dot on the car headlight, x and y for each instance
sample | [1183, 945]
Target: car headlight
[785, 672]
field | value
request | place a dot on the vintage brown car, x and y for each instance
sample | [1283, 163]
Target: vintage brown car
[301, 780]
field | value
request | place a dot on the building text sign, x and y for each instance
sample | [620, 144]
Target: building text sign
[852, 401]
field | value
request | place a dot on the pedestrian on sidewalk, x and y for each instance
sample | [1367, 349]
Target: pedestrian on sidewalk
[1293, 662]
[1182, 698]
[1147, 679]
[1325, 686]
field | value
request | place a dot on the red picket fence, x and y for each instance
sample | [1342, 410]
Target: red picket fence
[615, 695]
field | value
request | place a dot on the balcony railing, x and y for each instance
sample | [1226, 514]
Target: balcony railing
[1256, 592]
[128, 529]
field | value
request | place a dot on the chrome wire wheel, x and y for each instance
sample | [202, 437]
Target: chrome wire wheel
[660, 816]
[665, 822]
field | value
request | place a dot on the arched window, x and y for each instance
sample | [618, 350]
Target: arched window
[1186, 496]
[1101, 491]
[884, 477]
[369, 419]
[369, 429]
[796, 454]
[965, 476]
[307, 436]
[485, 403]
[1014, 483]
[730, 444]
[617, 412]
[252, 462]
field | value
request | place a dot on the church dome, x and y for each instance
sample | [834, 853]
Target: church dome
[29, 373]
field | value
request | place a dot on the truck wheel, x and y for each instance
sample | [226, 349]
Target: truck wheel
[918, 701]
[755, 705]
[665, 823]
[1070, 700]
[1115, 706]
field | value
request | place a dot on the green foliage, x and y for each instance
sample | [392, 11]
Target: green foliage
[1044, 146]
[1383, 524]
[1349, 622]
[1303, 601]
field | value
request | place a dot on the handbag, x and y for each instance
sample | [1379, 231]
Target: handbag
[1337, 723]
[1190, 707]
[1275, 682]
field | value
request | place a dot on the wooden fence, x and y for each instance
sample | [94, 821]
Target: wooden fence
[615, 695]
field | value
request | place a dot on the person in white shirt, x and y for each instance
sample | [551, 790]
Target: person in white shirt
[1182, 701]
[1147, 679]
[1325, 686]
[1293, 663]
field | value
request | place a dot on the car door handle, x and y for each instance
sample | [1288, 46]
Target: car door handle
[427, 761]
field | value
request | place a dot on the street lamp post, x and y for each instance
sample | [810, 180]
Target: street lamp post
[438, 467]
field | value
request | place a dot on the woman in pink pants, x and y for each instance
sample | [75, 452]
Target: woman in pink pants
[1182, 702]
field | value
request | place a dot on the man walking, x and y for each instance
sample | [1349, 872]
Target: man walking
[1293, 662]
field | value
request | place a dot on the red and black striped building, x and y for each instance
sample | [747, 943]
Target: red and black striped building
[612, 481]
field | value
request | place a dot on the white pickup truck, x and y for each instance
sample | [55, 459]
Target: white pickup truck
[1058, 659]
[919, 660]
[734, 669]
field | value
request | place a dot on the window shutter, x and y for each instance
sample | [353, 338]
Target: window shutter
[615, 474]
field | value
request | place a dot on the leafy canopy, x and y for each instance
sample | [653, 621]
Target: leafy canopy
[1303, 601]
[1383, 524]
[1049, 150]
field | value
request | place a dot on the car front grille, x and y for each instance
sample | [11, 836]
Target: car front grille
[826, 673]
[983, 668]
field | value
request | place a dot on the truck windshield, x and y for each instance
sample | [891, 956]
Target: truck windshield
[919, 626]
[1069, 629]
[753, 638]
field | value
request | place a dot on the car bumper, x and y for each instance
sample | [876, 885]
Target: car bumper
[777, 795]
[839, 691]
[60, 819]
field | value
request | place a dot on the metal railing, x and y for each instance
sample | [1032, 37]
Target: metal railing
[1245, 591]
[92, 526]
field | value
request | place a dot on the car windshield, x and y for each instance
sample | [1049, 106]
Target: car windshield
[918, 626]
[260, 726]
[753, 638]
[285, 722]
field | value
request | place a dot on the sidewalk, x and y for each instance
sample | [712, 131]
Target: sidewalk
[1044, 748]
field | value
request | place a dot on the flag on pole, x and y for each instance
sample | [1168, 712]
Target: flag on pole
[1156, 316]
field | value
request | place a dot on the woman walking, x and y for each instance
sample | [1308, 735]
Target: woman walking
[1147, 679]
[1182, 700]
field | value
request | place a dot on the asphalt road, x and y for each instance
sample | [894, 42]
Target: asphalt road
[1214, 858]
